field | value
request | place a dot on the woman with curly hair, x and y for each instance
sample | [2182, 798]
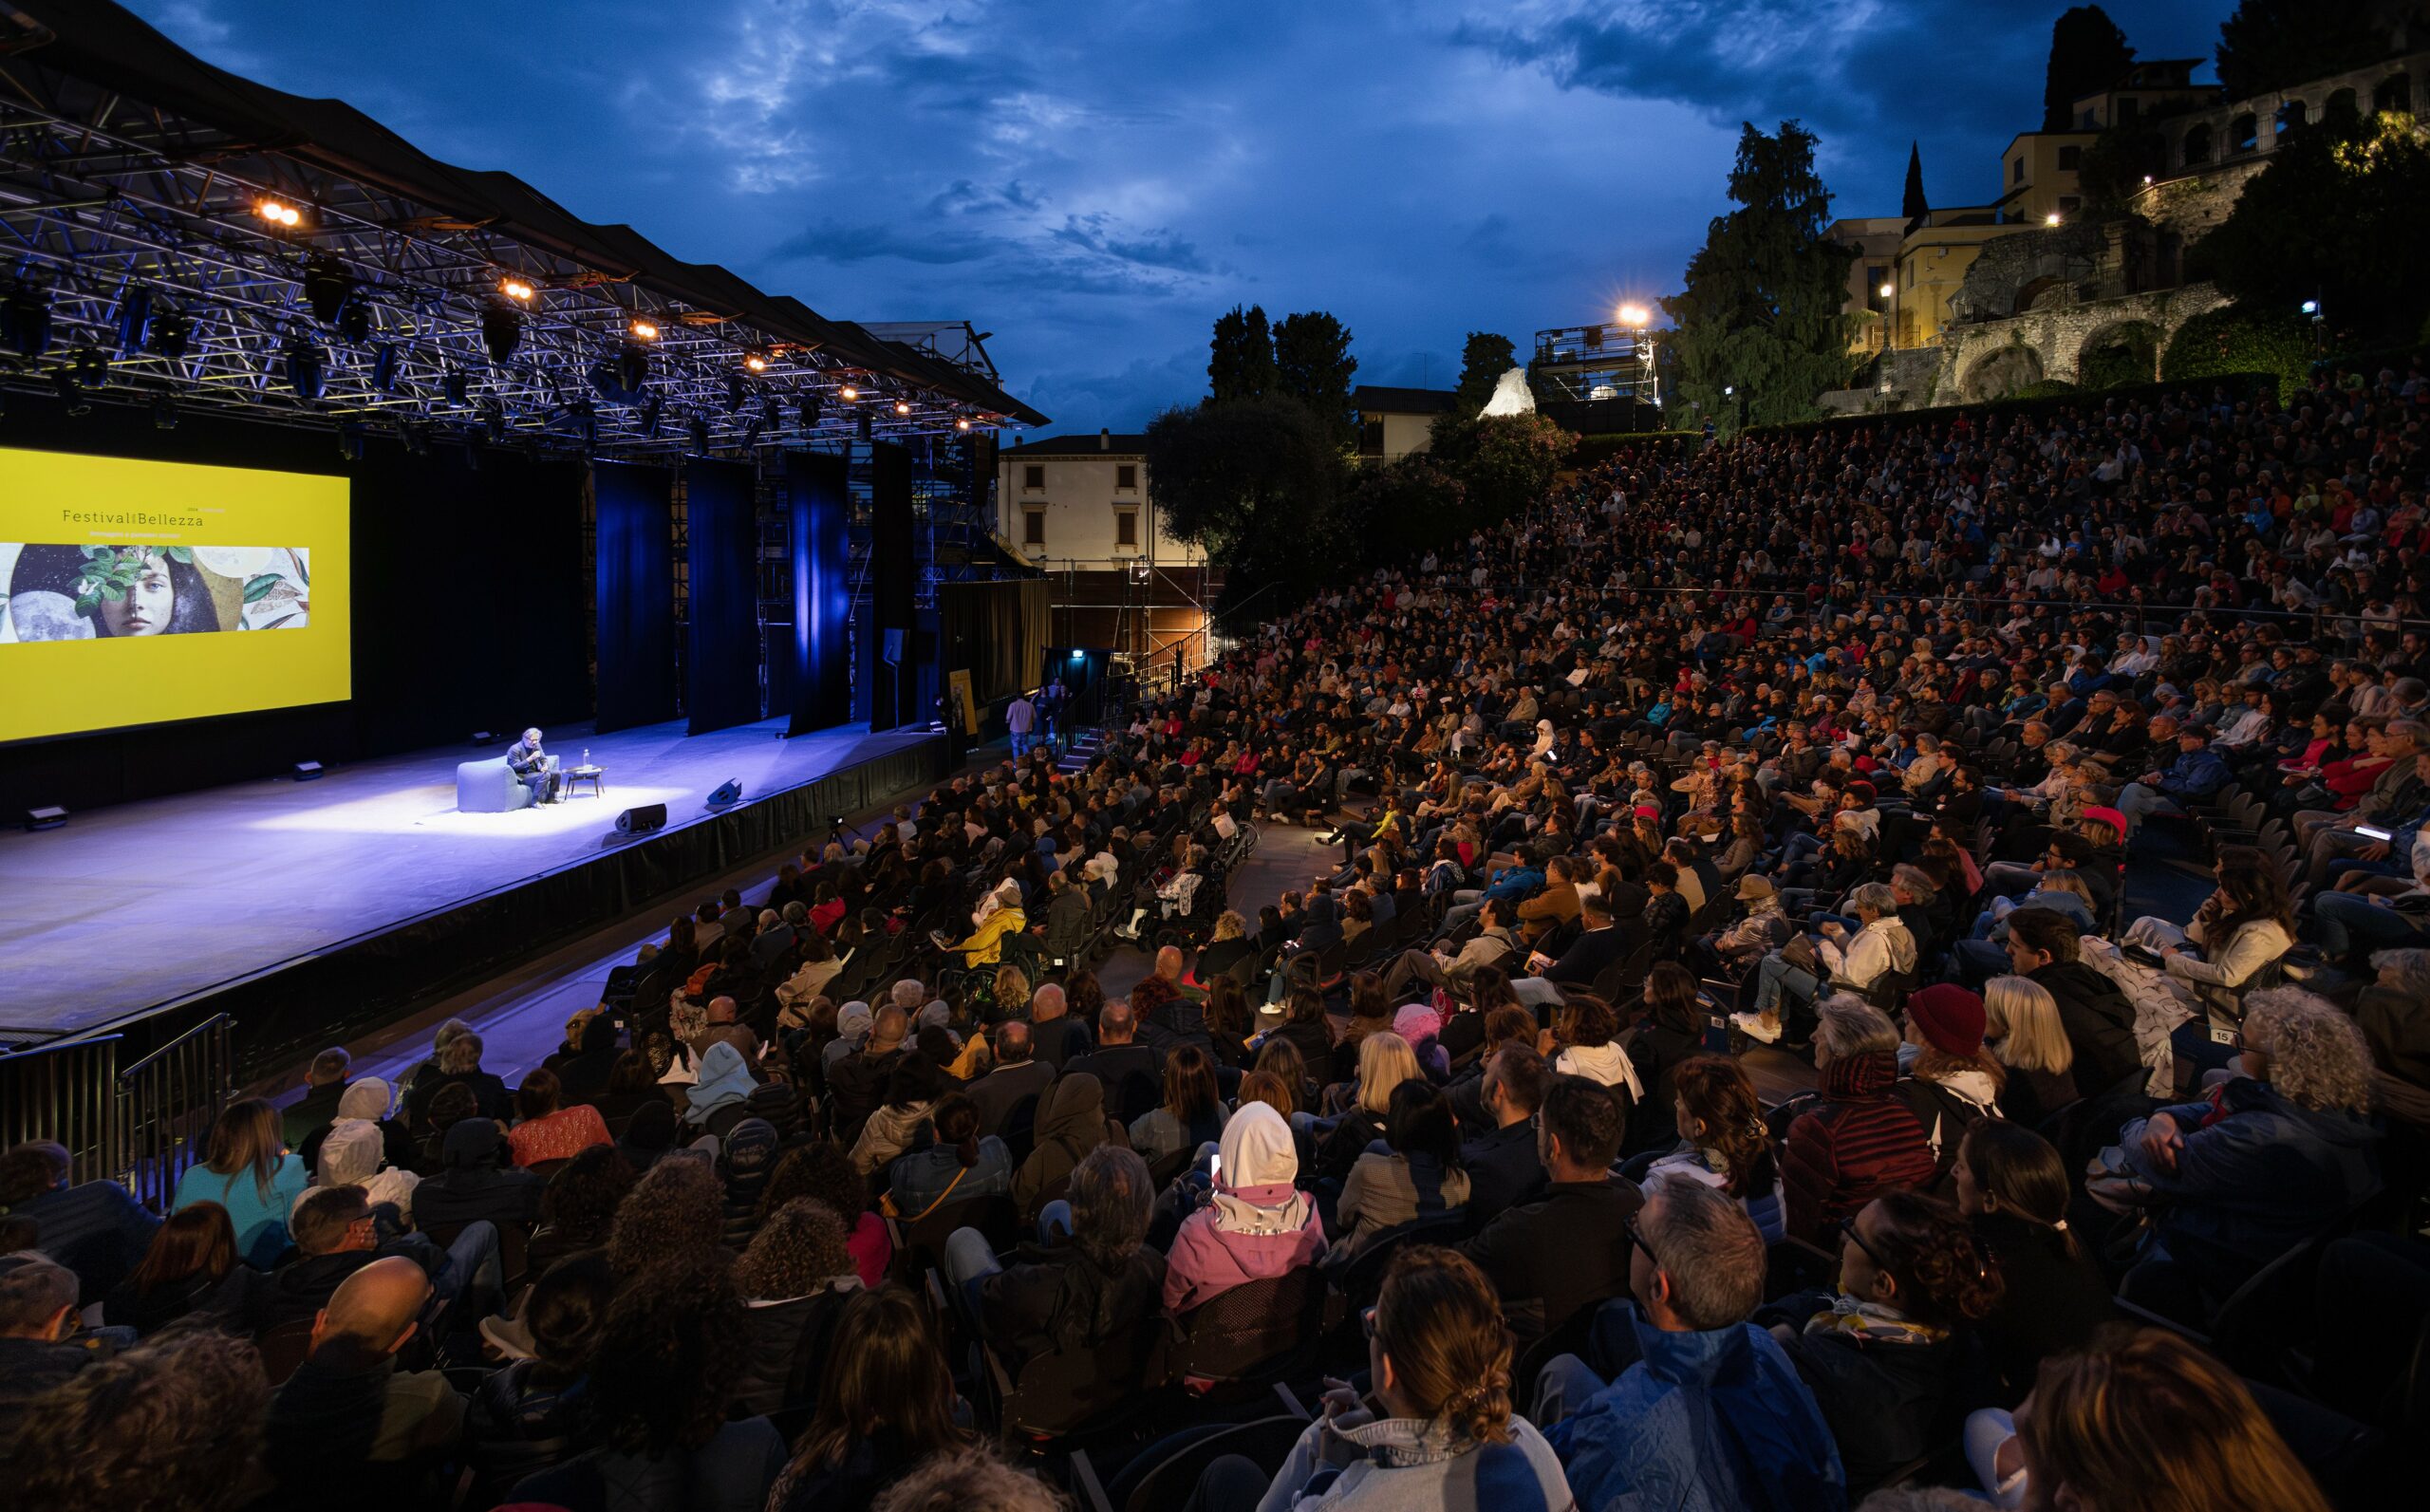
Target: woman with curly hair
[1440, 1358]
[578, 1210]
[662, 1377]
[1882, 1355]
[824, 1170]
[2275, 1153]
[885, 1405]
[1723, 1141]
[174, 1425]
[677, 1208]
[796, 1275]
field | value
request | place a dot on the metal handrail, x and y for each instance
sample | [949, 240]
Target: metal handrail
[62, 1091]
[167, 1102]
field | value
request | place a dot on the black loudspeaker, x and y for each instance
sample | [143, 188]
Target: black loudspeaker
[641, 820]
[725, 795]
[306, 771]
[46, 818]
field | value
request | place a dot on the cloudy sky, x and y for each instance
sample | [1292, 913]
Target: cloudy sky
[1094, 180]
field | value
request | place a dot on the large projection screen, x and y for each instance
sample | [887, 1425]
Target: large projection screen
[138, 592]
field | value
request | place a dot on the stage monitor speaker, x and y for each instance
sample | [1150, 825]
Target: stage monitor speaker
[306, 771]
[642, 820]
[46, 818]
[728, 794]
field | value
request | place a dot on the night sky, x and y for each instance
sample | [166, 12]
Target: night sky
[1094, 181]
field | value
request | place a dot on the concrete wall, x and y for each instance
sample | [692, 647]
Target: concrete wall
[1082, 500]
[1974, 358]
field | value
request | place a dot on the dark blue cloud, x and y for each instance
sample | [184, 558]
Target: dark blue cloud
[1094, 180]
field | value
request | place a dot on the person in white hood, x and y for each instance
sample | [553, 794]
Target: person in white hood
[1257, 1224]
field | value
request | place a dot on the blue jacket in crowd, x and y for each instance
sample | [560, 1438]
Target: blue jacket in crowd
[2196, 773]
[1706, 1422]
[1520, 882]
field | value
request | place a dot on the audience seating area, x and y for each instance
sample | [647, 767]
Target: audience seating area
[1885, 964]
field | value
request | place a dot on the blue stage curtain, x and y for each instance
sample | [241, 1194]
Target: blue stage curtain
[721, 673]
[820, 646]
[891, 689]
[636, 572]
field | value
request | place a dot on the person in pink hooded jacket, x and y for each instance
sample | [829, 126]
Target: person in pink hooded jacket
[1256, 1226]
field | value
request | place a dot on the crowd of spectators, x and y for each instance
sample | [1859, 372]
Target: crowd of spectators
[1861, 961]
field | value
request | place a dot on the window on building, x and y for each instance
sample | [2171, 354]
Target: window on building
[1370, 437]
[1125, 476]
[1126, 528]
[1033, 474]
[1033, 527]
[2070, 159]
[2016, 171]
[2244, 134]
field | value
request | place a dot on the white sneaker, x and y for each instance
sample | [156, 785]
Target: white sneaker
[1753, 1027]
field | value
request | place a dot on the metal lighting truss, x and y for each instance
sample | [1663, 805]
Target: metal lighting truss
[107, 205]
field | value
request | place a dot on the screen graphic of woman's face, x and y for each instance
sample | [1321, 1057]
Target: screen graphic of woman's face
[148, 605]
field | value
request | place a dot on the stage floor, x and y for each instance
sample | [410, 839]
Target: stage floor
[135, 907]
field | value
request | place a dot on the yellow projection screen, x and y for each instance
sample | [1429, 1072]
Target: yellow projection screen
[137, 593]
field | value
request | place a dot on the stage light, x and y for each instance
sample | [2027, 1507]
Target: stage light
[307, 771]
[633, 371]
[494, 420]
[1886, 290]
[755, 363]
[2051, 219]
[1635, 316]
[278, 213]
[848, 393]
[513, 288]
[350, 441]
[47, 817]
[63, 383]
[134, 320]
[416, 439]
[643, 330]
[699, 429]
[501, 330]
[810, 412]
[25, 319]
[963, 424]
[1728, 389]
[92, 369]
[771, 413]
[728, 791]
[171, 333]
[751, 432]
[326, 288]
[354, 319]
[903, 406]
[164, 413]
[2311, 307]
[652, 408]
[305, 372]
[869, 427]
[735, 392]
[455, 385]
[383, 367]
[585, 425]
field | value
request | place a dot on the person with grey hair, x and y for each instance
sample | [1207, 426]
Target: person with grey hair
[1702, 1397]
[39, 1348]
[1856, 1139]
[324, 1084]
[1057, 1037]
[775, 937]
[2278, 1152]
[1882, 946]
[1096, 1286]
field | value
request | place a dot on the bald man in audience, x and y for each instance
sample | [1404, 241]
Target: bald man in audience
[349, 1406]
[1057, 1037]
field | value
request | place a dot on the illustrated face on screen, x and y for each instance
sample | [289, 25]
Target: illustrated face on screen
[148, 605]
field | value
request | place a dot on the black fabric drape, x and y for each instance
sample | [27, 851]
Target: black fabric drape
[722, 663]
[893, 688]
[821, 646]
[994, 631]
[636, 571]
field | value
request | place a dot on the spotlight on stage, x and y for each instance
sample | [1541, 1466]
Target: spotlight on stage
[962, 424]
[809, 411]
[307, 772]
[730, 791]
[771, 413]
[48, 817]
[869, 427]
[24, 321]
[278, 213]
[501, 330]
[632, 370]
[455, 387]
[516, 288]
[383, 367]
[848, 393]
[327, 287]
[351, 438]
[492, 421]
[92, 369]
[307, 373]
[699, 433]
[171, 333]
[643, 330]
[63, 383]
[134, 321]
[755, 363]
[164, 413]
[735, 392]
[903, 406]
[652, 407]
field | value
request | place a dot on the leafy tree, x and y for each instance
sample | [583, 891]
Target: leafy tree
[1911, 203]
[1507, 463]
[2087, 52]
[1239, 363]
[1312, 365]
[2232, 341]
[1483, 362]
[1257, 482]
[1412, 504]
[2340, 215]
[1761, 311]
[2268, 44]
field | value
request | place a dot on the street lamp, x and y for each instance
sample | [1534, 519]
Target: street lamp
[1635, 317]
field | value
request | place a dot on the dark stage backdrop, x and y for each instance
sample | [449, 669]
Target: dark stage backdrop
[893, 695]
[636, 571]
[467, 609]
[722, 664]
[820, 649]
[997, 631]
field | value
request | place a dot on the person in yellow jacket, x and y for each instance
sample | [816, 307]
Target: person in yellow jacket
[986, 946]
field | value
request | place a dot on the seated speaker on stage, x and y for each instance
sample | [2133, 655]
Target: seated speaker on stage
[536, 766]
